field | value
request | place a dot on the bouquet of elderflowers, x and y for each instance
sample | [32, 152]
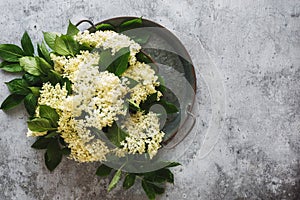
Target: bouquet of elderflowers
[90, 98]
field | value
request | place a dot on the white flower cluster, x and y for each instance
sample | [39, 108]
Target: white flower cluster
[100, 95]
[147, 79]
[53, 96]
[84, 148]
[67, 65]
[96, 101]
[144, 134]
[109, 40]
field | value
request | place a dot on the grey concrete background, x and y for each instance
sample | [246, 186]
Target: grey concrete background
[256, 47]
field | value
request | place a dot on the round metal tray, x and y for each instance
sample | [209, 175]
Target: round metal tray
[175, 66]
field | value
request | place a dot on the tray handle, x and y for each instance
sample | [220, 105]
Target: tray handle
[87, 21]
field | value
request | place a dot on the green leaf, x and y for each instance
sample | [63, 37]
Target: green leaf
[131, 24]
[54, 77]
[173, 164]
[67, 82]
[53, 148]
[104, 27]
[27, 45]
[132, 82]
[106, 59]
[116, 135]
[160, 176]
[133, 106]
[30, 65]
[66, 45]
[53, 155]
[140, 36]
[2, 64]
[142, 57]
[30, 103]
[151, 99]
[168, 174]
[44, 53]
[12, 67]
[40, 125]
[60, 47]
[170, 108]
[158, 189]
[35, 90]
[52, 134]
[18, 86]
[50, 165]
[49, 113]
[85, 47]
[149, 190]
[72, 29]
[12, 101]
[120, 62]
[41, 143]
[72, 45]
[115, 180]
[161, 80]
[162, 85]
[103, 170]
[10, 52]
[32, 80]
[66, 151]
[50, 39]
[129, 181]
[44, 66]
[62, 141]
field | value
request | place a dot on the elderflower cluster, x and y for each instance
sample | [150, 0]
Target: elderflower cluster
[147, 79]
[67, 65]
[109, 40]
[96, 102]
[100, 95]
[53, 96]
[75, 131]
[84, 147]
[144, 134]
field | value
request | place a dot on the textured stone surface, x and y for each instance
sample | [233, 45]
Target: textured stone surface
[256, 48]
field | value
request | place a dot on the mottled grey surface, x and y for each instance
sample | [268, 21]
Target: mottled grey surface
[256, 47]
